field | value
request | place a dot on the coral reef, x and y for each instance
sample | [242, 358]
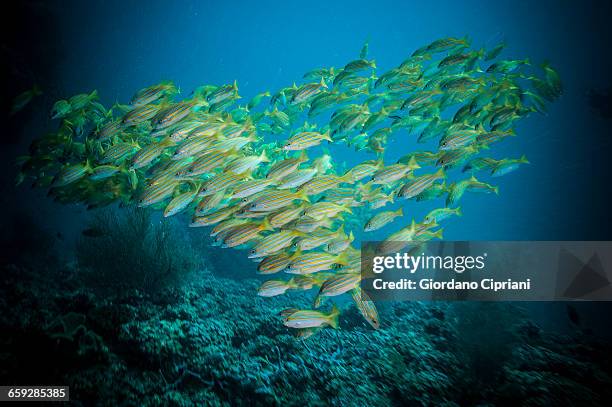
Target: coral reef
[127, 249]
[210, 342]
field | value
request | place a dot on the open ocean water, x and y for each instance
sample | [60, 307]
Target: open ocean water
[91, 316]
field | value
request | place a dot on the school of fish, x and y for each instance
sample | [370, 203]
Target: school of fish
[205, 155]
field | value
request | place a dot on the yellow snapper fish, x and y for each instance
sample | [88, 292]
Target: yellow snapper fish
[242, 234]
[273, 200]
[366, 307]
[205, 155]
[276, 262]
[315, 261]
[381, 219]
[274, 243]
[306, 139]
[272, 288]
[337, 285]
[312, 319]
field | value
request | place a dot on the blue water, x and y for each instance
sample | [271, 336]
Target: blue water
[118, 47]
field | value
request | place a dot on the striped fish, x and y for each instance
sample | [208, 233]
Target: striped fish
[214, 217]
[307, 224]
[337, 285]
[451, 158]
[223, 92]
[398, 240]
[242, 165]
[191, 147]
[148, 154]
[173, 114]
[70, 174]
[249, 188]
[157, 192]
[276, 262]
[453, 141]
[209, 202]
[439, 214]
[242, 234]
[140, 114]
[316, 238]
[152, 93]
[235, 143]
[322, 183]
[296, 178]
[109, 130]
[219, 183]
[393, 172]
[419, 184]
[321, 210]
[312, 319]
[340, 243]
[365, 169]
[307, 91]
[282, 168]
[366, 307]
[272, 288]
[273, 243]
[117, 153]
[180, 202]
[315, 261]
[225, 225]
[206, 163]
[103, 172]
[285, 215]
[183, 130]
[305, 139]
[274, 200]
[381, 219]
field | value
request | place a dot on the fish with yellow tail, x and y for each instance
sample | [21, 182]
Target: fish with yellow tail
[312, 319]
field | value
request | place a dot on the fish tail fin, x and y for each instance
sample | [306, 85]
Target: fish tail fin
[438, 234]
[399, 212]
[303, 195]
[412, 164]
[333, 317]
[347, 177]
[265, 224]
[318, 300]
[458, 211]
[303, 157]
[327, 135]
[523, 159]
